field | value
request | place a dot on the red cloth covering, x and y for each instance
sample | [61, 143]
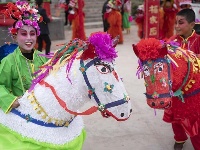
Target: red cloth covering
[187, 114]
[115, 22]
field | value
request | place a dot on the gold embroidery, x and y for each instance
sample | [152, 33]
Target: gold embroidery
[44, 115]
[194, 61]
[189, 85]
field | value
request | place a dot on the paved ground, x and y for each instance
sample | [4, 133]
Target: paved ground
[144, 130]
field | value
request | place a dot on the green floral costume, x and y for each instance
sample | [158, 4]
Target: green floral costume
[16, 74]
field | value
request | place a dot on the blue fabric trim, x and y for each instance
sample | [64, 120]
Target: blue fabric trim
[87, 81]
[160, 96]
[109, 105]
[115, 103]
[168, 94]
[90, 63]
[35, 121]
[156, 60]
[191, 94]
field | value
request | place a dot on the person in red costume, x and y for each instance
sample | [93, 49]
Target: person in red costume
[76, 16]
[139, 20]
[114, 18]
[170, 11]
[189, 40]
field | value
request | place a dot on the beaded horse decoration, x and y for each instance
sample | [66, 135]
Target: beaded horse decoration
[171, 76]
[77, 73]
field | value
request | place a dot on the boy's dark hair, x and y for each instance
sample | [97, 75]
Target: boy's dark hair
[189, 14]
[39, 2]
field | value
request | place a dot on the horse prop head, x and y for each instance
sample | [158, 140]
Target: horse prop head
[101, 78]
[155, 67]
[171, 75]
[89, 70]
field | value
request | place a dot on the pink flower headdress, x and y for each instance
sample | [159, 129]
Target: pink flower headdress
[24, 14]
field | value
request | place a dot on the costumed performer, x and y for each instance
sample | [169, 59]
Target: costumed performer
[126, 16]
[105, 22]
[44, 28]
[139, 20]
[76, 16]
[17, 72]
[188, 40]
[114, 19]
[170, 11]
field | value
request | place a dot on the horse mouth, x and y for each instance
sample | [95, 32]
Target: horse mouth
[105, 114]
[168, 106]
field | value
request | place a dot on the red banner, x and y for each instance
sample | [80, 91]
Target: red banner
[151, 15]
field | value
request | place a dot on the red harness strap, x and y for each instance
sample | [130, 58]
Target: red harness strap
[63, 104]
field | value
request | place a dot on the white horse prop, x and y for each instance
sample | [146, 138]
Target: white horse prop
[48, 116]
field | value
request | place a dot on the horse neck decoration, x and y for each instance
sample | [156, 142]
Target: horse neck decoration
[171, 77]
[77, 73]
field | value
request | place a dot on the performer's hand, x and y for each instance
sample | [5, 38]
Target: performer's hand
[16, 103]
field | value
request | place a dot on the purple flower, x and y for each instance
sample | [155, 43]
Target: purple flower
[19, 24]
[28, 22]
[103, 46]
[35, 24]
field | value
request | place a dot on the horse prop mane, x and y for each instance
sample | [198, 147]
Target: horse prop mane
[172, 77]
[80, 72]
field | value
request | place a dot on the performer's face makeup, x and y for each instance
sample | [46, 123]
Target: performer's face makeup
[26, 38]
[183, 27]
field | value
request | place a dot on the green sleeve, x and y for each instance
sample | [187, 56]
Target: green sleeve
[6, 98]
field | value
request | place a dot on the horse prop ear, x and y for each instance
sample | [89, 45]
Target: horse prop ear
[163, 51]
[135, 49]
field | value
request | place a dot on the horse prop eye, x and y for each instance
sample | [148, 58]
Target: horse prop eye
[103, 69]
[146, 71]
[158, 67]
